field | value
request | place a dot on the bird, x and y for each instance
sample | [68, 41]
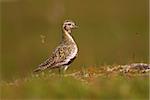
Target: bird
[65, 53]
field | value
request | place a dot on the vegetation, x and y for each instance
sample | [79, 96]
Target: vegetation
[89, 83]
[110, 31]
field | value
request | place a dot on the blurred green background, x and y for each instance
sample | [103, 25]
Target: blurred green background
[110, 32]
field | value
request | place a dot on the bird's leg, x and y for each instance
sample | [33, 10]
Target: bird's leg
[65, 68]
[62, 70]
[61, 74]
[59, 70]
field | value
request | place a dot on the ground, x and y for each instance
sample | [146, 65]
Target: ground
[106, 82]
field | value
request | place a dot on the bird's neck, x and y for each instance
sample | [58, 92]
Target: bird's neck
[67, 36]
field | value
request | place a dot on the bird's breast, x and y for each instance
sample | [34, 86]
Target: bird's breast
[73, 53]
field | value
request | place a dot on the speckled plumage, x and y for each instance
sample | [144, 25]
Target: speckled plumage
[65, 53]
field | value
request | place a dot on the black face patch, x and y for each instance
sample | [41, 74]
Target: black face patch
[65, 27]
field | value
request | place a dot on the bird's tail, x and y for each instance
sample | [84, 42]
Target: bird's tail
[37, 69]
[40, 68]
[43, 66]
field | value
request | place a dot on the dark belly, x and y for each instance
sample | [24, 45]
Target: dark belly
[70, 61]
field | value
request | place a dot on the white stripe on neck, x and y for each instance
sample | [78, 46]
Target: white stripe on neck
[69, 36]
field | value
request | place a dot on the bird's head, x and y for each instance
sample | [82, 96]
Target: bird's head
[68, 25]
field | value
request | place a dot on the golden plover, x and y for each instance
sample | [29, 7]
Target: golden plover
[65, 53]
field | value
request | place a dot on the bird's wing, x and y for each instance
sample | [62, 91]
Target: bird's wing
[61, 54]
[58, 57]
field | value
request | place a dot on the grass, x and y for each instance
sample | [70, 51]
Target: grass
[89, 83]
